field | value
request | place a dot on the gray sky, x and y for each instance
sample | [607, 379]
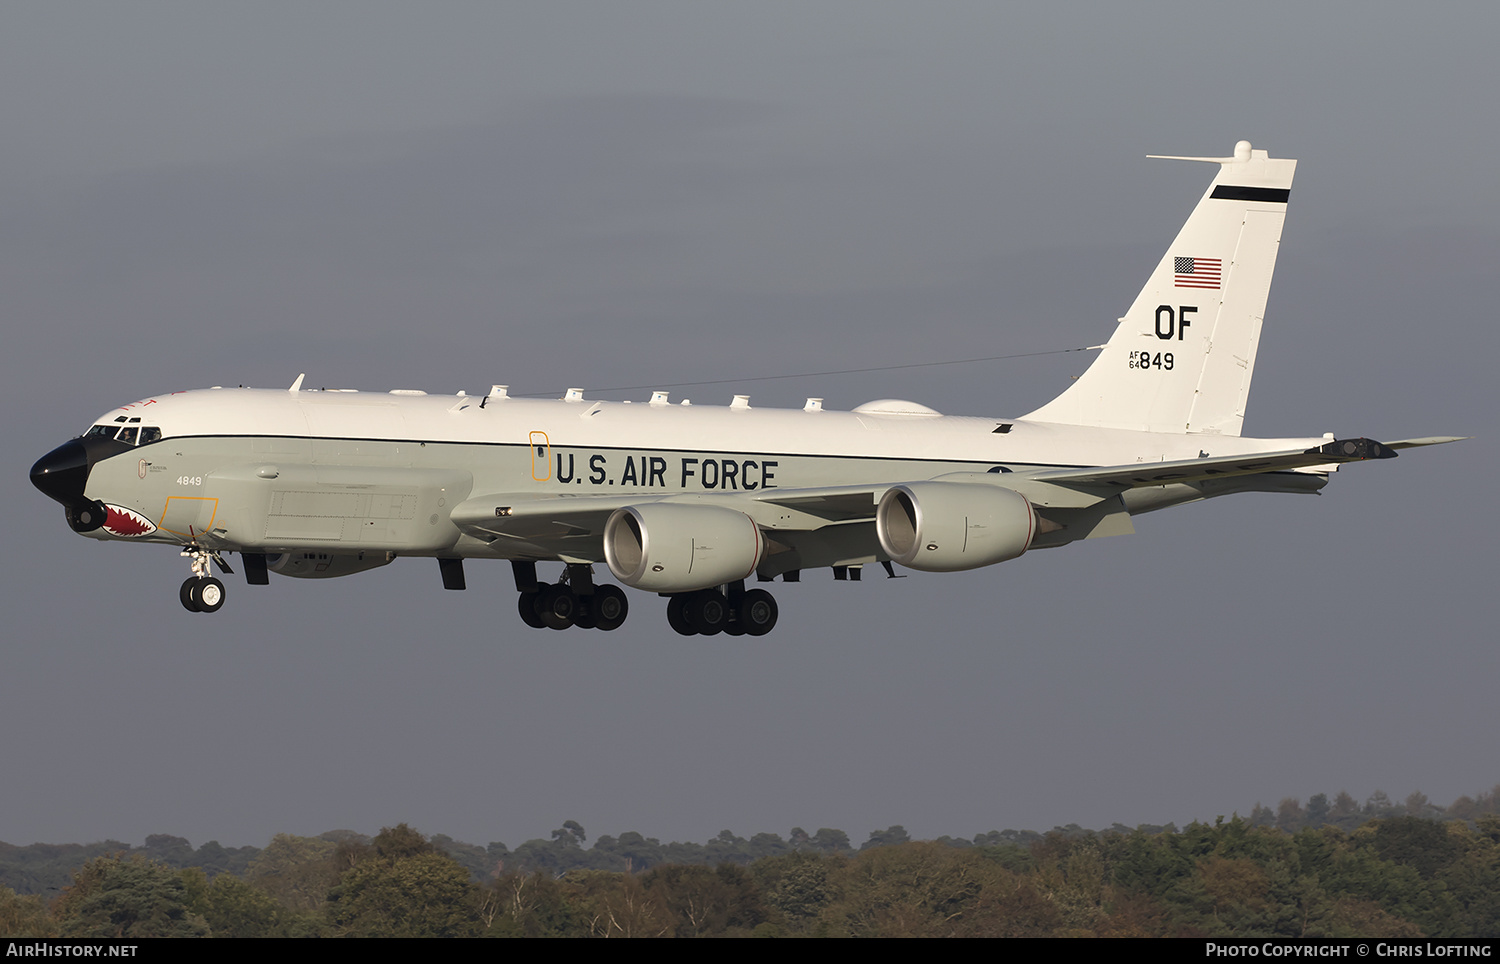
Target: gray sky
[444, 196]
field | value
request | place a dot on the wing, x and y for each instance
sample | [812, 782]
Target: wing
[834, 526]
[804, 528]
[571, 528]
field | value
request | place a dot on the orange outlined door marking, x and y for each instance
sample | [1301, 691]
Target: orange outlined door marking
[189, 516]
[541, 457]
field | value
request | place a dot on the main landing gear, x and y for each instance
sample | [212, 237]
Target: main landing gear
[572, 601]
[202, 593]
[709, 612]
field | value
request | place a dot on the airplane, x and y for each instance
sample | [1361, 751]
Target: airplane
[690, 502]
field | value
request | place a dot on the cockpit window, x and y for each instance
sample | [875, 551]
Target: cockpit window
[129, 434]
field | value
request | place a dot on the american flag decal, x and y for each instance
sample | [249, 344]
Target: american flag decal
[1197, 272]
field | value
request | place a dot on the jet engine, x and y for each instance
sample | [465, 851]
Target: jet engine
[325, 565]
[680, 547]
[948, 526]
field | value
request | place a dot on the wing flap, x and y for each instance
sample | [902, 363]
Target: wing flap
[1337, 452]
[533, 518]
[832, 505]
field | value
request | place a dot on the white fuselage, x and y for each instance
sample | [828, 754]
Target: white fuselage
[278, 470]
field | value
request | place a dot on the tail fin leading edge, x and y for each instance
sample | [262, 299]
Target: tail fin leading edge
[1181, 359]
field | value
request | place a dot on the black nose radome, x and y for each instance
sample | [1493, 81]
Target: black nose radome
[62, 472]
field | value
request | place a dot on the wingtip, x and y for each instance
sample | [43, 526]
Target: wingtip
[1412, 443]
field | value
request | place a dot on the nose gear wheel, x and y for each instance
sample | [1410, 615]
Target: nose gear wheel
[202, 593]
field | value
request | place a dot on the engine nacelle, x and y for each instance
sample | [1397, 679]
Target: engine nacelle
[948, 526]
[680, 547]
[325, 565]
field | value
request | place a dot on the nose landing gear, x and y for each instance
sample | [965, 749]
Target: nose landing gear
[202, 593]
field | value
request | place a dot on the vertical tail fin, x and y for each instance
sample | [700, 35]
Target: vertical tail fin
[1182, 357]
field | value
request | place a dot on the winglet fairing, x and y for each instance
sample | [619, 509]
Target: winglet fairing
[690, 502]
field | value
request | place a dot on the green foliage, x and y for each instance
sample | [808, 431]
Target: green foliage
[422, 894]
[48, 868]
[482, 863]
[234, 908]
[911, 890]
[831, 841]
[1001, 838]
[297, 871]
[24, 916]
[889, 837]
[1148, 864]
[1330, 869]
[725, 848]
[128, 898]
[1344, 813]
[393, 843]
[704, 901]
[797, 886]
[630, 852]
[617, 905]
[564, 851]
[529, 905]
[169, 850]
[1472, 881]
[1422, 844]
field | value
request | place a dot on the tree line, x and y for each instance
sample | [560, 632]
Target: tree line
[1403, 871]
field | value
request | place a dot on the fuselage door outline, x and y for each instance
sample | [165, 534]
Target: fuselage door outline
[541, 457]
